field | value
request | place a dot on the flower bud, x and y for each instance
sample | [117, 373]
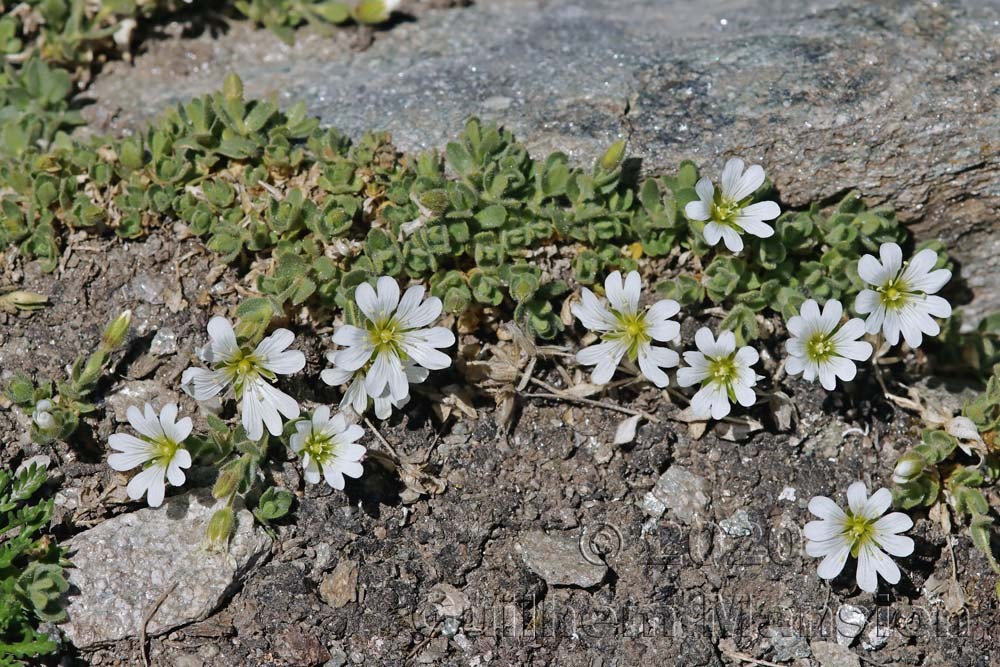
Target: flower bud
[613, 156]
[907, 468]
[220, 526]
[114, 333]
[43, 420]
[372, 12]
[24, 300]
[226, 483]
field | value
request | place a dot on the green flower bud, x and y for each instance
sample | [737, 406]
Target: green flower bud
[114, 334]
[220, 527]
[226, 483]
[232, 87]
[613, 156]
[21, 300]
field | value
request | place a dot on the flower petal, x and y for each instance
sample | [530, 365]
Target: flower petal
[834, 562]
[857, 497]
[222, 340]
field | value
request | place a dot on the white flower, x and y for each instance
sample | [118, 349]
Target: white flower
[159, 449]
[723, 371]
[729, 211]
[328, 448]
[394, 332]
[860, 533]
[355, 397]
[627, 330]
[819, 349]
[42, 415]
[248, 372]
[901, 301]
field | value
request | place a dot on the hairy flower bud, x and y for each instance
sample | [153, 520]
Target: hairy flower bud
[226, 483]
[114, 333]
[220, 527]
[909, 466]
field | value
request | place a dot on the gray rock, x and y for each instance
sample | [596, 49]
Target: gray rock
[877, 637]
[851, 621]
[124, 565]
[164, 343]
[895, 98]
[738, 525]
[680, 490]
[787, 644]
[832, 654]
[558, 559]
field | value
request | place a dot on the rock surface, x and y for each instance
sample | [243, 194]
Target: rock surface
[680, 490]
[897, 99]
[559, 560]
[124, 565]
[831, 654]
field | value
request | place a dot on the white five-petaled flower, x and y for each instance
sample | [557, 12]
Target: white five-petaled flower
[159, 449]
[902, 300]
[627, 331]
[728, 211]
[819, 349]
[393, 333]
[250, 373]
[723, 371]
[328, 447]
[861, 532]
[355, 397]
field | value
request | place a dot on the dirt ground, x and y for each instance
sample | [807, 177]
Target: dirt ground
[674, 593]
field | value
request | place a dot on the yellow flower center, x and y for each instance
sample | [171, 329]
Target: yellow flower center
[633, 331]
[858, 530]
[893, 294]
[819, 347]
[385, 337]
[243, 366]
[724, 211]
[722, 370]
[165, 449]
[320, 447]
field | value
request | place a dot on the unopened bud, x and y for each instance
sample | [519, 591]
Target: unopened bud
[907, 468]
[371, 12]
[114, 333]
[220, 527]
[23, 300]
[613, 156]
[43, 420]
[226, 484]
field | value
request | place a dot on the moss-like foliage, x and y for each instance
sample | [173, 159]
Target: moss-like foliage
[31, 568]
[486, 225]
[78, 35]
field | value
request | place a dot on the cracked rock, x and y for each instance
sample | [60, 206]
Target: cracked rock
[124, 566]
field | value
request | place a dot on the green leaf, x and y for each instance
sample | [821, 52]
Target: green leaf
[274, 503]
[981, 532]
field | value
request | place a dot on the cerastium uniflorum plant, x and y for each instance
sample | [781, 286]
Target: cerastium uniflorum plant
[31, 568]
[56, 409]
[401, 252]
[957, 464]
